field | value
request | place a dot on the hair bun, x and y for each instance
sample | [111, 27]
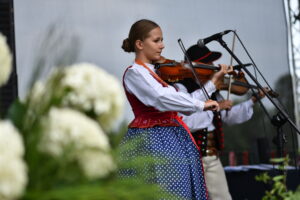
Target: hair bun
[126, 46]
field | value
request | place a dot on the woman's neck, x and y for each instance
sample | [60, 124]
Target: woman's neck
[143, 59]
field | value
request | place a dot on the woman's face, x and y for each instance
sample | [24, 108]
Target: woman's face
[152, 46]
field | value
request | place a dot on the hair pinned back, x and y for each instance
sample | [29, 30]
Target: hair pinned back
[126, 46]
[138, 31]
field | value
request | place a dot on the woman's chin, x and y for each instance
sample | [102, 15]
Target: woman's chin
[156, 58]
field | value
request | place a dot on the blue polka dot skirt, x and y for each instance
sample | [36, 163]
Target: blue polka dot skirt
[176, 167]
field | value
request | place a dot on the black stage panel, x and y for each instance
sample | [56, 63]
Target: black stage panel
[8, 92]
[243, 186]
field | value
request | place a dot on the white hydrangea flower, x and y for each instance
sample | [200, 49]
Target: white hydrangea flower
[66, 129]
[36, 95]
[94, 90]
[91, 161]
[11, 142]
[37, 91]
[5, 61]
[13, 170]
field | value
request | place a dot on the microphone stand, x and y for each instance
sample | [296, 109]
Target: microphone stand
[279, 119]
[193, 70]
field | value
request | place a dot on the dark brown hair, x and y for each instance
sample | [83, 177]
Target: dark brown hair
[138, 31]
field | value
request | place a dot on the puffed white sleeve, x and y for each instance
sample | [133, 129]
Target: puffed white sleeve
[239, 113]
[149, 91]
[198, 120]
[198, 94]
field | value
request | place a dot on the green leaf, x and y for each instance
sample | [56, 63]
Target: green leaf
[278, 178]
[16, 113]
[264, 177]
[277, 160]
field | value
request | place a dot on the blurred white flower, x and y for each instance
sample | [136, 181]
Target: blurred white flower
[68, 132]
[13, 171]
[37, 92]
[94, 90]
[5, 61]
[84, 87]
[96, 163]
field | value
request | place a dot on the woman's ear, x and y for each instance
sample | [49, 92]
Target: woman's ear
[139, 44]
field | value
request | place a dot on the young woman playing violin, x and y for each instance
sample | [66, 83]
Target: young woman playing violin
[207, 129]
[155, 105]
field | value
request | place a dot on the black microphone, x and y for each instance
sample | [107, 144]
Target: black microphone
[202, 42]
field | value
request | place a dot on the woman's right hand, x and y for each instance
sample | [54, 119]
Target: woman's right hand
[211, 105]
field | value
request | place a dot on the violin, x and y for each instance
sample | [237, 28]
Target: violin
[172, 72]
[241, 87]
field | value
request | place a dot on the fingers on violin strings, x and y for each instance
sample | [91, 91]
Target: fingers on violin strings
[229, 68]
[223, 68]
[226, 69]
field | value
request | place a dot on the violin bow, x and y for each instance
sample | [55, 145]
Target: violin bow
[193, 70]
[231, 62]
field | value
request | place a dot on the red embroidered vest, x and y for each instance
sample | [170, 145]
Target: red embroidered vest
[146, 116]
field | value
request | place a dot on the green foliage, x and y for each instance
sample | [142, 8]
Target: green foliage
[58, 182]
[61, 177]
[115, 137]
[52, 178]
[58, 179]
[16, 113]
[279, 190]
[106, 189]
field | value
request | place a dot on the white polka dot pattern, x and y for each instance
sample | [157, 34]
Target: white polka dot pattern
[181, 171]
